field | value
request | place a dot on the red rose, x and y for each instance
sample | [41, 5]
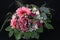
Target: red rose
[33, 15]
[38, 23]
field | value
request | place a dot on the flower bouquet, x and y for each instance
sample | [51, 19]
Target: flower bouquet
[28, 21]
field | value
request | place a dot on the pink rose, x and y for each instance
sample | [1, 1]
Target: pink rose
[13, 23]
[22, 11]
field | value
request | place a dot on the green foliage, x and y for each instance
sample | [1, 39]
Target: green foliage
[34, 34]
[40, 30]
[27, 35]
[43, 5]
[11, 33]
[45, 9]
[9, 28]
[44, 16]
[48, 20]
[6, 20]
[17, 34]
[18, 2]
[48, 26]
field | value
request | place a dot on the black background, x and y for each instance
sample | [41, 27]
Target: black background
[46, 35]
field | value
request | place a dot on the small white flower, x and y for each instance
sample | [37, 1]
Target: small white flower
[41, 21]
[37, 13]
[30, 29]
[38, 17]
[33, 12]
[13, 16]
[35, 26]
[34, 8]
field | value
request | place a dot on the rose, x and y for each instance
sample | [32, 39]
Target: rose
[39, 23]
[13, 23]
[22, 11]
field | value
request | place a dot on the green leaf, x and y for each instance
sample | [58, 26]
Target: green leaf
[43, 5]
[35, 19]
[48, 20]
[17, 34]
[19, 4]
[40, 30]
[48, 26]
[45, 9]
[9, 28]
[34, 34]
[9, 13]
[44, 15]
[6, 20]
[9, 20]
[27, 35]
[11, 33]
[37, 36]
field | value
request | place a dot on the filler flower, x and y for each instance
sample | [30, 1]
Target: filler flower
[22, 11]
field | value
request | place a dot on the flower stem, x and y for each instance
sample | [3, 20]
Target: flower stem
[4, 23]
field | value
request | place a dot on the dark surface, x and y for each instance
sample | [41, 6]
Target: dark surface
[46, 35]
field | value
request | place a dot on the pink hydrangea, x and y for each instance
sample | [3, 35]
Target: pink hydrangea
[22, 24]
[22, 11]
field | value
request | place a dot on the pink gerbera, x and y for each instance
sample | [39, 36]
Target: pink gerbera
[22, 11]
